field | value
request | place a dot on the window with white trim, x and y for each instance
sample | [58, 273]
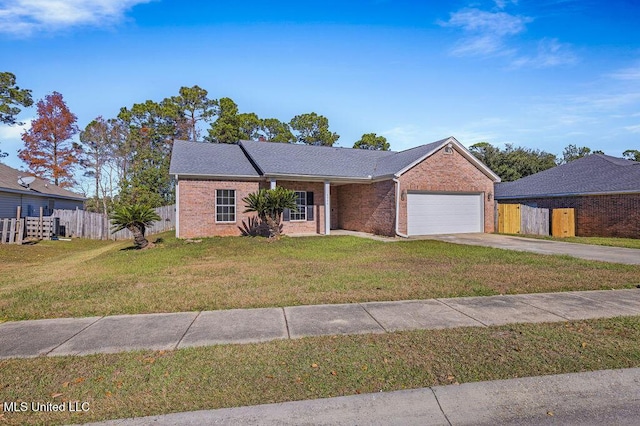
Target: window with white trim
[226, 205]
[301, 203]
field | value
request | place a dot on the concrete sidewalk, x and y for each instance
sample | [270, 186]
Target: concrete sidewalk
[82, 336]
[593, 398]
[581, 251]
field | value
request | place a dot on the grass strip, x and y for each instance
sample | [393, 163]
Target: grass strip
[158, 382]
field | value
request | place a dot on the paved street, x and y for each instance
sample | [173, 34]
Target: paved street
[609, 397]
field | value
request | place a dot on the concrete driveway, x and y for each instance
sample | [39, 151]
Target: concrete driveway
[582, 251]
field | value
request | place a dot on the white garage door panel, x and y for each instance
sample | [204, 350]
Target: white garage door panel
[429, 214]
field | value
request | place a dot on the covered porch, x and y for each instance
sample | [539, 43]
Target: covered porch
[335, 204]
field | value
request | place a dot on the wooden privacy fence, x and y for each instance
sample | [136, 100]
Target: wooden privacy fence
[535, 221]
[526, 220]
[521, 219]
[97, 226]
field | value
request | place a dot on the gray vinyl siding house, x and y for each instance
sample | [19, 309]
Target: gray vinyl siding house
[30, 198]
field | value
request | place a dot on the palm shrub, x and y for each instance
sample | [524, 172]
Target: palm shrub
[269, 205]
[136, 218]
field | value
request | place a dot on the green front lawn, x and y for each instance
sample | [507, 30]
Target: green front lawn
[149, 383]
[83, 278]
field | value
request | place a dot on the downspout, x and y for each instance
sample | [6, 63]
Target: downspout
[397, 182]
[177, 207]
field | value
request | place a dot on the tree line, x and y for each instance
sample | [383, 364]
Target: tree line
[127, 156]
[512, 163]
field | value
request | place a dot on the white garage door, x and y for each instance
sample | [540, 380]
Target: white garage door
[429, 214]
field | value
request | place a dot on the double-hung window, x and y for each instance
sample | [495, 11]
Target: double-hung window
[225, 205]
[301, 203]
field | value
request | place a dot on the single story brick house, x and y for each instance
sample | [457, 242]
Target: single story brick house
[603, 190]
[436, 188]
[16, 191]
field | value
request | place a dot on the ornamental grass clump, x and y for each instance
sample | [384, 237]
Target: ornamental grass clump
[269, 204]
[136, 218]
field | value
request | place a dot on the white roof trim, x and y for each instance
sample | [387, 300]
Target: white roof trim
[318, 178]
[216, 177]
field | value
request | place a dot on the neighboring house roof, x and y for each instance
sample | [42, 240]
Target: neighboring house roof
[592, 174]
[209, 159]
[302, 161]
[39, 187]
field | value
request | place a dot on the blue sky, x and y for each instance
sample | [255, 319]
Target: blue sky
[536, 73]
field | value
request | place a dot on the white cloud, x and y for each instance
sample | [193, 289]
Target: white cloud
[631, 73]
[402, 137]
[494, 33]
[551, 53]
[482, 22]
[486, 32]
[501, 4]
[14, 132]
[633, 129]
[10, 142]
[609, 102]
[24, 17]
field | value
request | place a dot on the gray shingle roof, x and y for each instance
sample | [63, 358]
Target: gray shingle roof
[251, 158]
[400, 160]
[9, 181]
[309, 160]
[197, 158]
[593, 174]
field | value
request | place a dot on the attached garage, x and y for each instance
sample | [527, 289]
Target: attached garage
[444, 213]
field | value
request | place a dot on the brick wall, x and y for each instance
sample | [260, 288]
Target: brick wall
[197, 207]
[447, 173]
[596, 215]
[367, 207]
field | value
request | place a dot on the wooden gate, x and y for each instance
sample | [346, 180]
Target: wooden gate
[563, 223]
[509, 218]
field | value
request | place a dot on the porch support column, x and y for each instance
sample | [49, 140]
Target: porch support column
[327, 208]
[272, 184]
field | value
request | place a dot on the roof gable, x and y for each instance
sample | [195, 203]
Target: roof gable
[592, 174]
[39, 187]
